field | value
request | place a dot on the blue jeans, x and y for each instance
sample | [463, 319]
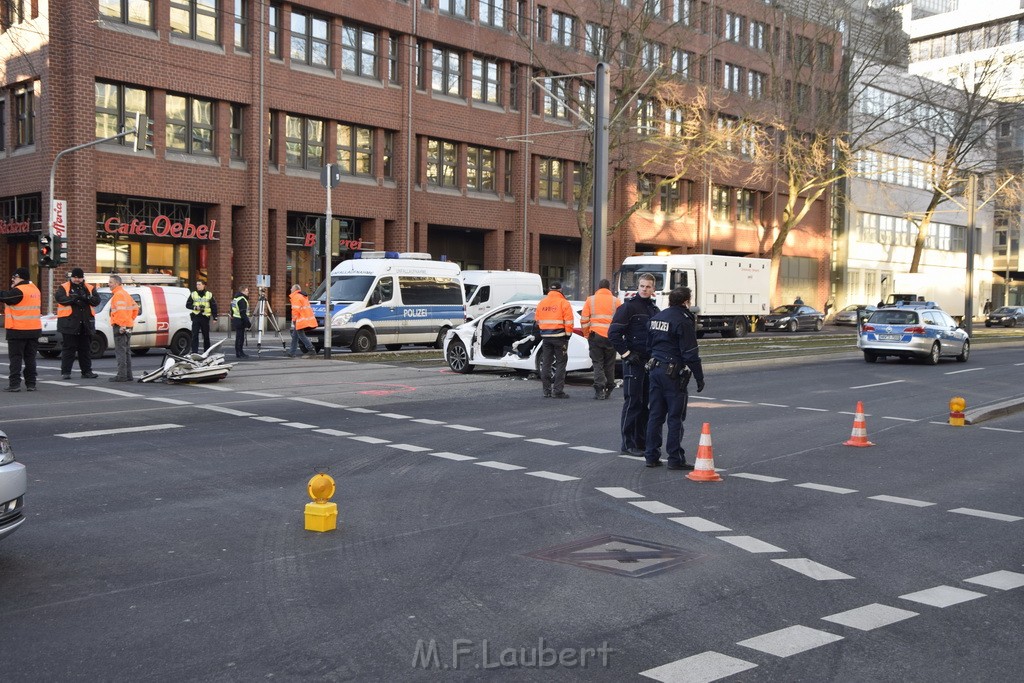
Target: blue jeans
[299, 336]
[668, 400]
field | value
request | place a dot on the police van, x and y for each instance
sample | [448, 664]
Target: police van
[390, 298]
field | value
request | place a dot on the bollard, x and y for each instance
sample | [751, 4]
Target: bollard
[321, 514]
[957, 404]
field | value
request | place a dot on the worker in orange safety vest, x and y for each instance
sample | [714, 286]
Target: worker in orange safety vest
[24, 325]
[597, 316]
[554, 322]
[302, 320]
[123, 311]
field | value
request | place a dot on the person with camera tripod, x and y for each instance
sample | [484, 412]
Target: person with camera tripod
[672, 347]
[240, 320]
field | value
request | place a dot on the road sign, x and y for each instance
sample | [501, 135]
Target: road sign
[330, 176]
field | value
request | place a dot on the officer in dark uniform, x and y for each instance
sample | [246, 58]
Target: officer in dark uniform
[628, 334]
[672, 345]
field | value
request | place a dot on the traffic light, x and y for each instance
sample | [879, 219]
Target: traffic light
[143, 133]
[60, 250]
[45, 252]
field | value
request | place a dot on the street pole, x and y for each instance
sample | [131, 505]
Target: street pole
[328, 239]
[600, 228]
[972, 200]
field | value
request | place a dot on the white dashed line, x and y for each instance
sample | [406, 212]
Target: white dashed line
[790, 641]
[619, 492]
[824, 487]
[267, 418]
[880, 384]
[369, 439]
[590, 449]
[733, 400]
[758, 477]
[395, 416]
[987, 515]
[426, 421]
[699, 524]
[409, 447]
[315, 402]
[211, 387]
[458, 457]
[121, 430]
[703, 668]
[942, 596]
[465, 428]
[816, 410]
[548, 442]
[751, 544]
[264, 394]
[554, 476]
[815, 570]
[115, 392]
[957, 372]
[901, 419]
[773, 405]
[654, 506]
[870, 617]
[1000, 429]
[333, 432]
[298, 425]
[362, 410]
[1002, 580]
[504, 466]
[902, 501]
[227, 411]
[172, 401]
[504, 435]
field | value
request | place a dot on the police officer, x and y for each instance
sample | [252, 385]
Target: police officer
[628, 334]
[76, 322]
[203, 308]
[23, 322]
[672, 345]
[240, 320]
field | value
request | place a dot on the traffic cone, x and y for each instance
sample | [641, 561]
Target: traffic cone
[704, 466]
[859, 437]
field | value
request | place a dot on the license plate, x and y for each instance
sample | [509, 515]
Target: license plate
[889, 337]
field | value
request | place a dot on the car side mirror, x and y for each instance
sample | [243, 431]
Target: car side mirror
[375, 298]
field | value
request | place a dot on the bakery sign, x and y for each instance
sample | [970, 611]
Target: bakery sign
[162, 226]
[14, 227]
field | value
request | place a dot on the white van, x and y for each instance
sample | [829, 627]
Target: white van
[487, 289]
[391, 298]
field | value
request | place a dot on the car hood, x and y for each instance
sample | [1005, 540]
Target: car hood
[49, 323]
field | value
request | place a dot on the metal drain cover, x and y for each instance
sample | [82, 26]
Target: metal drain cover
[618, 555]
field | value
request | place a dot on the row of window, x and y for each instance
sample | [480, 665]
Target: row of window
[894, 169]
[904, 111]
[901, 232]
[17, 105]
[968, 40]
[14, 12]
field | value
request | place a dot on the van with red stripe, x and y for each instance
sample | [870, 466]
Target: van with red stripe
[163, 321]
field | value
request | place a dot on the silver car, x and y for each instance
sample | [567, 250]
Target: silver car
[13, 481]
[911, 331]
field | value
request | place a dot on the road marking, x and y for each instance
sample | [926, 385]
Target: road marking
[880, 384]
[758, 477]
[395, 416]
[315, 402]
[699, 524]
[409, 447]
[751, 544]
[901, 419]
[298, 425]
[870, 617]
[121, 430]
[267, 418]
[548, 442]
[790, 641]
[212, 387]
[590, 449]
[957, 372]
[938, 423]
[504, 435]
[333, 432]
[369, 439]
[942, 596]
[1002, 579]
[361, 410]
[733, 400]
[619, 492]
[465, 428]
[1000, 429]
[901, 501]
[172, 401]
[58, 382]
[426, 421]
[453, 456]
[773, 405]
[703, 668]
[824, 487]
[816, 410]
[815, 570]
[264, 394]
[499, 465]
[554, 476]
[988, 515]
[227, 411]
[654, 506]
[115, 392]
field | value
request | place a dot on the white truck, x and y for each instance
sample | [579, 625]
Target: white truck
[947, 290]
[730, 293]
[487, 289]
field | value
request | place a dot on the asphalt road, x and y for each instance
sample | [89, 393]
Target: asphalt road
[485, 531]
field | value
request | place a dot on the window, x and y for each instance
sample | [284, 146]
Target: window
[446, 76]
[803, 96]
[673, 122]
[442, 163]
[388, 154]
[756, 82]
[645, 113]
[454, 7]
[480, 169]
[758, 35]
[825, 57]
[492, 13]
[394, 45]
[562, 28]
[553, 99]
[595, 39]
[241, 24]
[486, 81]
[513, 88]
[3, 125]
[195, 19]
[682, 12]
[745, 206]
[586, 98]
[721, 202]
[551, 180]
[304, 142]
[131, 12]
[732, 78]
[189, 126]
[645, 186]
[273, 30]
[273, 123]
[651, 58]
[670, 196]
[310, 39]
[235, 111]
[509, 165]
[24, 116]
[429, 291]
[116, 105]
[682, 62]
[359, 51]
[734, 27]
[355, 150]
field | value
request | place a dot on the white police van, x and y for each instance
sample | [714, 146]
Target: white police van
[390, 298]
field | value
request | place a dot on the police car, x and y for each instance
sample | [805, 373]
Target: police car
[163, 320]
[920, 331]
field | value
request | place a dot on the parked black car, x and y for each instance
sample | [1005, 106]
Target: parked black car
[1005, 316]
[794, 317]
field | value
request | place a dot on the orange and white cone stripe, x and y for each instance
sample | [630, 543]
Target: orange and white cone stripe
[859, 436]
[704, 465]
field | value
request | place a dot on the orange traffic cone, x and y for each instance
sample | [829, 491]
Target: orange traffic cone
[859, 437]
[704, 466]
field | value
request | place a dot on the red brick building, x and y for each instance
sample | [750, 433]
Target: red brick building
[423, 104]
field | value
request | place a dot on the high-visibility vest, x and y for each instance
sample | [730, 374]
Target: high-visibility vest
[65, 311]
[235, 311]
[24, 315]
[302, 312]
[201, 303]
[123, 309]
[554, 316]
[598, 311]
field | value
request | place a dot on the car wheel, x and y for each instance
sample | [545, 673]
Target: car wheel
[439, 342]
[933, 357]
[364, 341]
[392, 347]
[818, 324]
[793, 326]
[1010, 323]
[965, 353]
[870, 356]
[140, 352]
[97, 345]
[457, 357]
[181, 343]
[988, 323]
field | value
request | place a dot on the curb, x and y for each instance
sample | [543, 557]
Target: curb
[990, 412]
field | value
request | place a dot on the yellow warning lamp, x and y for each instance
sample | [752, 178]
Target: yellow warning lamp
[957, 405]
[321, 514]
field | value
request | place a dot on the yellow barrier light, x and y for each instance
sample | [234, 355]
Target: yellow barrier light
[957, 405]
[321, 514]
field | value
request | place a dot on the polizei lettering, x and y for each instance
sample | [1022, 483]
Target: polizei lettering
[414, 313]
[659, 326]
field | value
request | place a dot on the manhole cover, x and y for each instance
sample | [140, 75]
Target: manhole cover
[618, 555]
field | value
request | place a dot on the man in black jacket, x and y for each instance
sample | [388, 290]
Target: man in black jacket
[76, 322]
[240, 320]
[628, 334]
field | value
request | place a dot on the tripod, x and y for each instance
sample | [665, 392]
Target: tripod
[265, 313]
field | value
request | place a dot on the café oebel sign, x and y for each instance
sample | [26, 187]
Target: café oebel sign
[162, 226]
